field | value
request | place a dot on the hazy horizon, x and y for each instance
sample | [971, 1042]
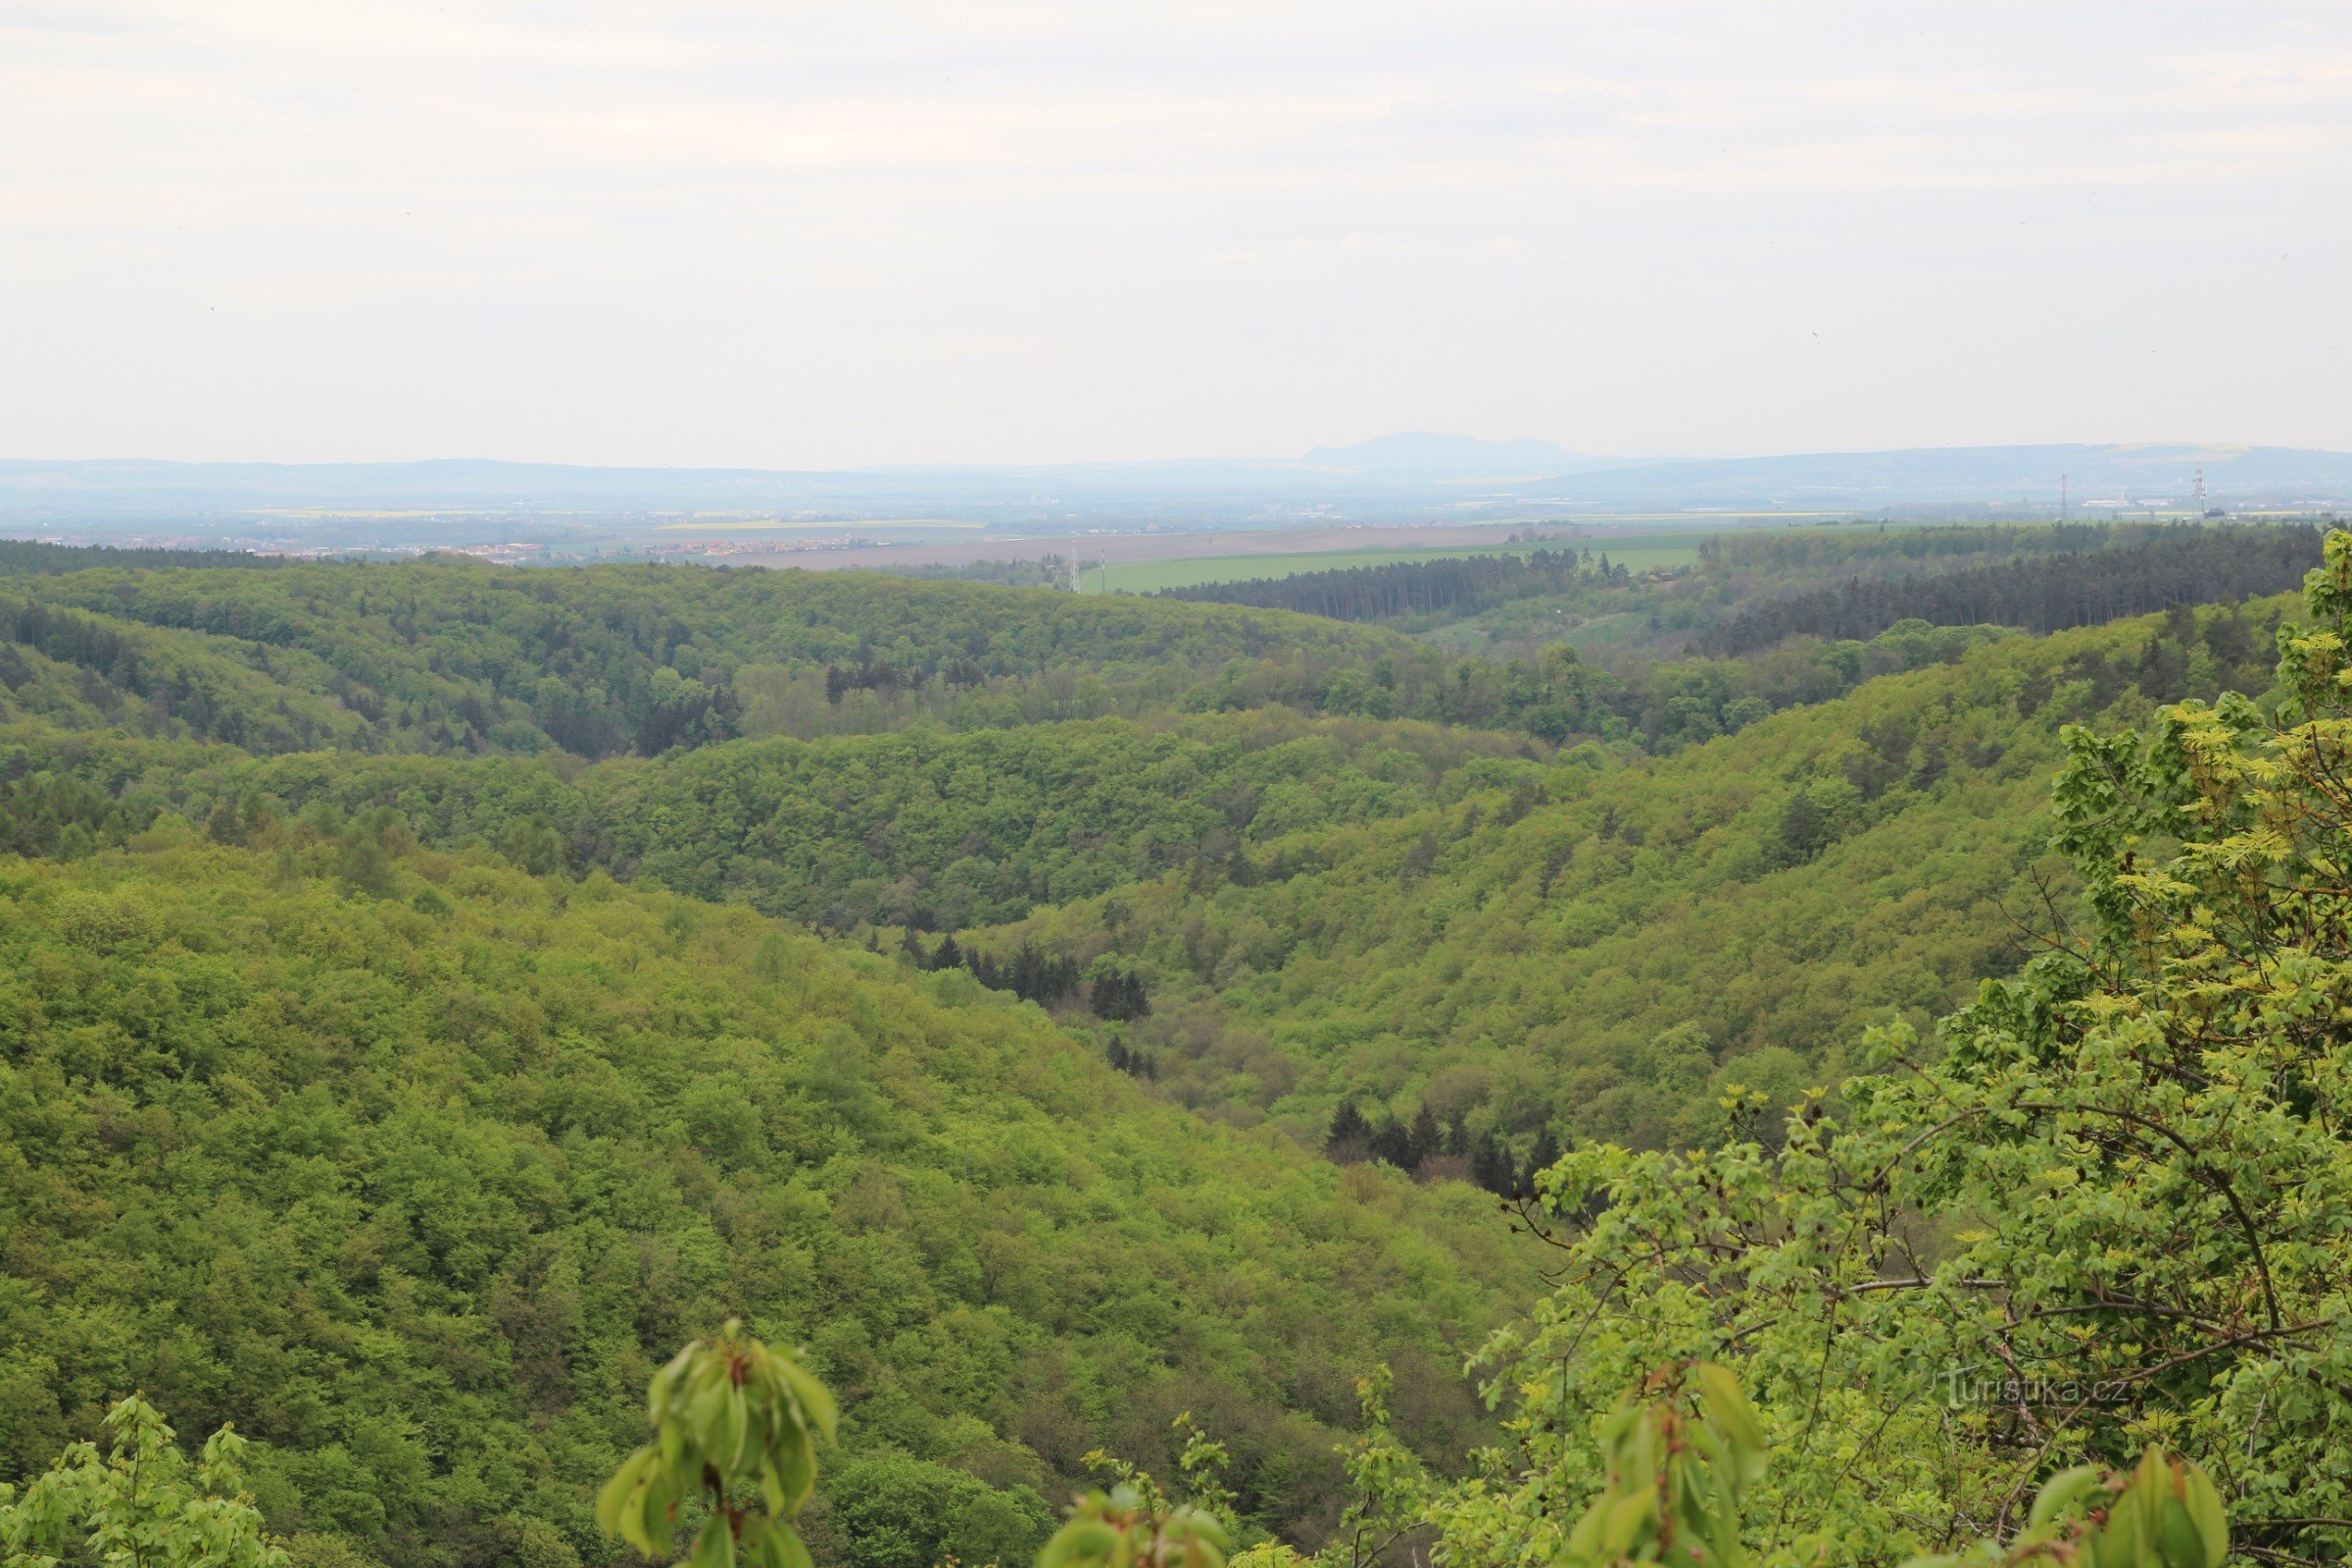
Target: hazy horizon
[824, 237]
[1581, 459]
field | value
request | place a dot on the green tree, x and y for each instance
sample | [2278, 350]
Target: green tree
[141, 1504]
[735, 1430]
[896, 1511]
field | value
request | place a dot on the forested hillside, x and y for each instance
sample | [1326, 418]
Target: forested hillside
[407, 1163]
[1598, 948]
[1751, 590]
[1420, 588]
[926, 828]
[455, 655]
[2186, 565]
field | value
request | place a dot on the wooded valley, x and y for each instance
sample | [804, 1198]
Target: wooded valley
[1872, 998]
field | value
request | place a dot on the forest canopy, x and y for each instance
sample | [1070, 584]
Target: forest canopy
[1153, 1046]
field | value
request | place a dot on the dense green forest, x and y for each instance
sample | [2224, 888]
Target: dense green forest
[2184, 566]
[430, 994]
[1751, 590]
[1599, 946]
[406, 1161]
[1419, 588]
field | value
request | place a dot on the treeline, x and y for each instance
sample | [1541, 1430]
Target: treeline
[1040, 572]
[1426, 1152]
[32, 556]
[926, 830]
[438, 655]
[2189, 563]
[1117, 995]
[1784, 552]
[1409, 588]
[599, 663]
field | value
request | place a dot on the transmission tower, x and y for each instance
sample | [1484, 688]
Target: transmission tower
[2200, 489]
[2062, 498]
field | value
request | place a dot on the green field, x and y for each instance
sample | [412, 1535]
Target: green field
[1150, 576]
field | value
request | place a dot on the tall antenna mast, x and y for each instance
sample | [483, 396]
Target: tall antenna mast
[2200, 489]
[2062, 498]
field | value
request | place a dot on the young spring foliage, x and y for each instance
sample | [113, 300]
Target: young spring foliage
[415, 1166]
[736, 1426]
[1674, 1477]
[140, 1504]
[2113, 1211]
[2163, 1513]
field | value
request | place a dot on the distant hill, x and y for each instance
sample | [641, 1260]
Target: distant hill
[1417, 478]
[1924, 475]
[1420, 454]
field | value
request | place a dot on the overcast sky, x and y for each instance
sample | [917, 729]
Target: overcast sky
[695, 231]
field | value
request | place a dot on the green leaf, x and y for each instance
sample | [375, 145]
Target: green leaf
[1728, 1406]
[715, 1547]
[612, 1499]
[2062, 1491]
[2206, 1509]
[813, 1398]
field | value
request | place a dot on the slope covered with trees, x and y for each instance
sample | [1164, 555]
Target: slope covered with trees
[2185, 564]
[408, 1162]
[1410, 589]
[2089, 1248]
[928, 828]
[1598, 947]
[457, 655]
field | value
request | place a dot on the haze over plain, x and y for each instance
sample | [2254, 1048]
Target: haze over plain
[816, 236]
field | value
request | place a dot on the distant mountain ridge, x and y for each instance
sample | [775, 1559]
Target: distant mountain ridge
[1926, 475]
[1422, 453]
[1408, 478]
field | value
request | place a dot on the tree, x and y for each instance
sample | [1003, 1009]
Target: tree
[738, 1422]
[1135, 1524]
[1118, 995]
[142, 1505]
[1427, 1138]
[1350, 1135]
[894, 1511]
[1491, 1165]
[1392, 1143]
[532, 843]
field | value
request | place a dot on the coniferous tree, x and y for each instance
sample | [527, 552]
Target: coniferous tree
[1350, 1136]
[1426, 1139]
[1491, 1165]
[1392, 1143]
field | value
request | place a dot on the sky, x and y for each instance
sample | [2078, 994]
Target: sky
[723, 232]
